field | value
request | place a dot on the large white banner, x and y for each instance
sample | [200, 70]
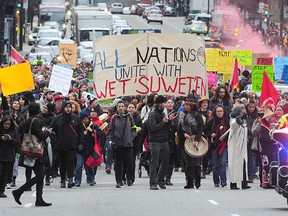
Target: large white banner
[60, 80]
[168, 64]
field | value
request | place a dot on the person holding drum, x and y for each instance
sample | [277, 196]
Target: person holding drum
[190, 130]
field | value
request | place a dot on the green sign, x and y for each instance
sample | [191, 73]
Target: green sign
[257, 76]
[244, 57]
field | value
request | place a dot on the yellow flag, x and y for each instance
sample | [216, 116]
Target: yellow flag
[16, 78]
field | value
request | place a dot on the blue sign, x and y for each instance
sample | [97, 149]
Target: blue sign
[279, 66]
[285, 74]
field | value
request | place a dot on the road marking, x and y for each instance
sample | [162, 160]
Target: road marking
[27, 205]
[34, 194]
[213, 202]
[197, 191]
[234, 214]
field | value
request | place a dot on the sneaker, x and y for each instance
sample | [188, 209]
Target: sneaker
[77, 185]
[8, 186]
[216, 185]
[108, 171]
[91, 183]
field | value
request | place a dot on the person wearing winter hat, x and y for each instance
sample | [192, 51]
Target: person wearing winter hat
[83, 154]
[244, 79]
[58, 99]
[237, 147]
[70, 138]
[158, 134]
[47, 97]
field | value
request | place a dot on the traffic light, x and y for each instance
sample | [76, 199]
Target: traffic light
[266, 9]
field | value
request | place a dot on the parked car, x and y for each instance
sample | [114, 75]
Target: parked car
[196, 27]
[116, 8]
[140, 8]
[148, 10]
[53, 44]
[53, 25]
[102, 6]
[126, 10]
[33, 34]
[155, 16]
[169, 11]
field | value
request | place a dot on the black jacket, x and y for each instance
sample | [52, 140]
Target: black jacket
[158, 129]
[8, 148]
[69, 134]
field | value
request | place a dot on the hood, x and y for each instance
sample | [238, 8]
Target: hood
[65, 103]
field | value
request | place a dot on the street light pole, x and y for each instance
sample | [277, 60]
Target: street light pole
[281, 20]
[2, 26]
[22, 17]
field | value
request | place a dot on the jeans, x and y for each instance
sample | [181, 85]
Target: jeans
[219, 165]
[159, 157]
[108, 155]
[90, 171]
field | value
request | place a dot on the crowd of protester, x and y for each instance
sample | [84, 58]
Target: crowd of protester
[75, 123]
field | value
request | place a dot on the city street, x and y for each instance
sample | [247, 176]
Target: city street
[105, 199]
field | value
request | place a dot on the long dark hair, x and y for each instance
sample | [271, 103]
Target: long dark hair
[7, 118]
[227, 97]
[224, 110]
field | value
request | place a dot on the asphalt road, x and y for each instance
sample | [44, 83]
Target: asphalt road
[105, 199]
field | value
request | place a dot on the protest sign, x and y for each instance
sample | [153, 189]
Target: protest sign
[265, 61]
[68, 53]
[60, 80]
[212, 58]
[285, 74]
[279, 66]
[145, 63]
[212, 78]
[225, 63]
[16, 78]
[257, 76]
[244, 57]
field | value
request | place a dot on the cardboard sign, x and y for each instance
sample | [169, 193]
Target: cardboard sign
[145, 63]
[60, 80]
[212, 59]
[225, 63]
[244, 57]
[68, 53]
[257, 76]
[16, 78]
[279, 66]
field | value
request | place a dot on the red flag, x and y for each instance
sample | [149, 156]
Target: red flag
[18, 59]
[269, 95]
[234, 81]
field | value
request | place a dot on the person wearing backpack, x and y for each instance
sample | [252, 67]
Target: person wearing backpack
[122, 132]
